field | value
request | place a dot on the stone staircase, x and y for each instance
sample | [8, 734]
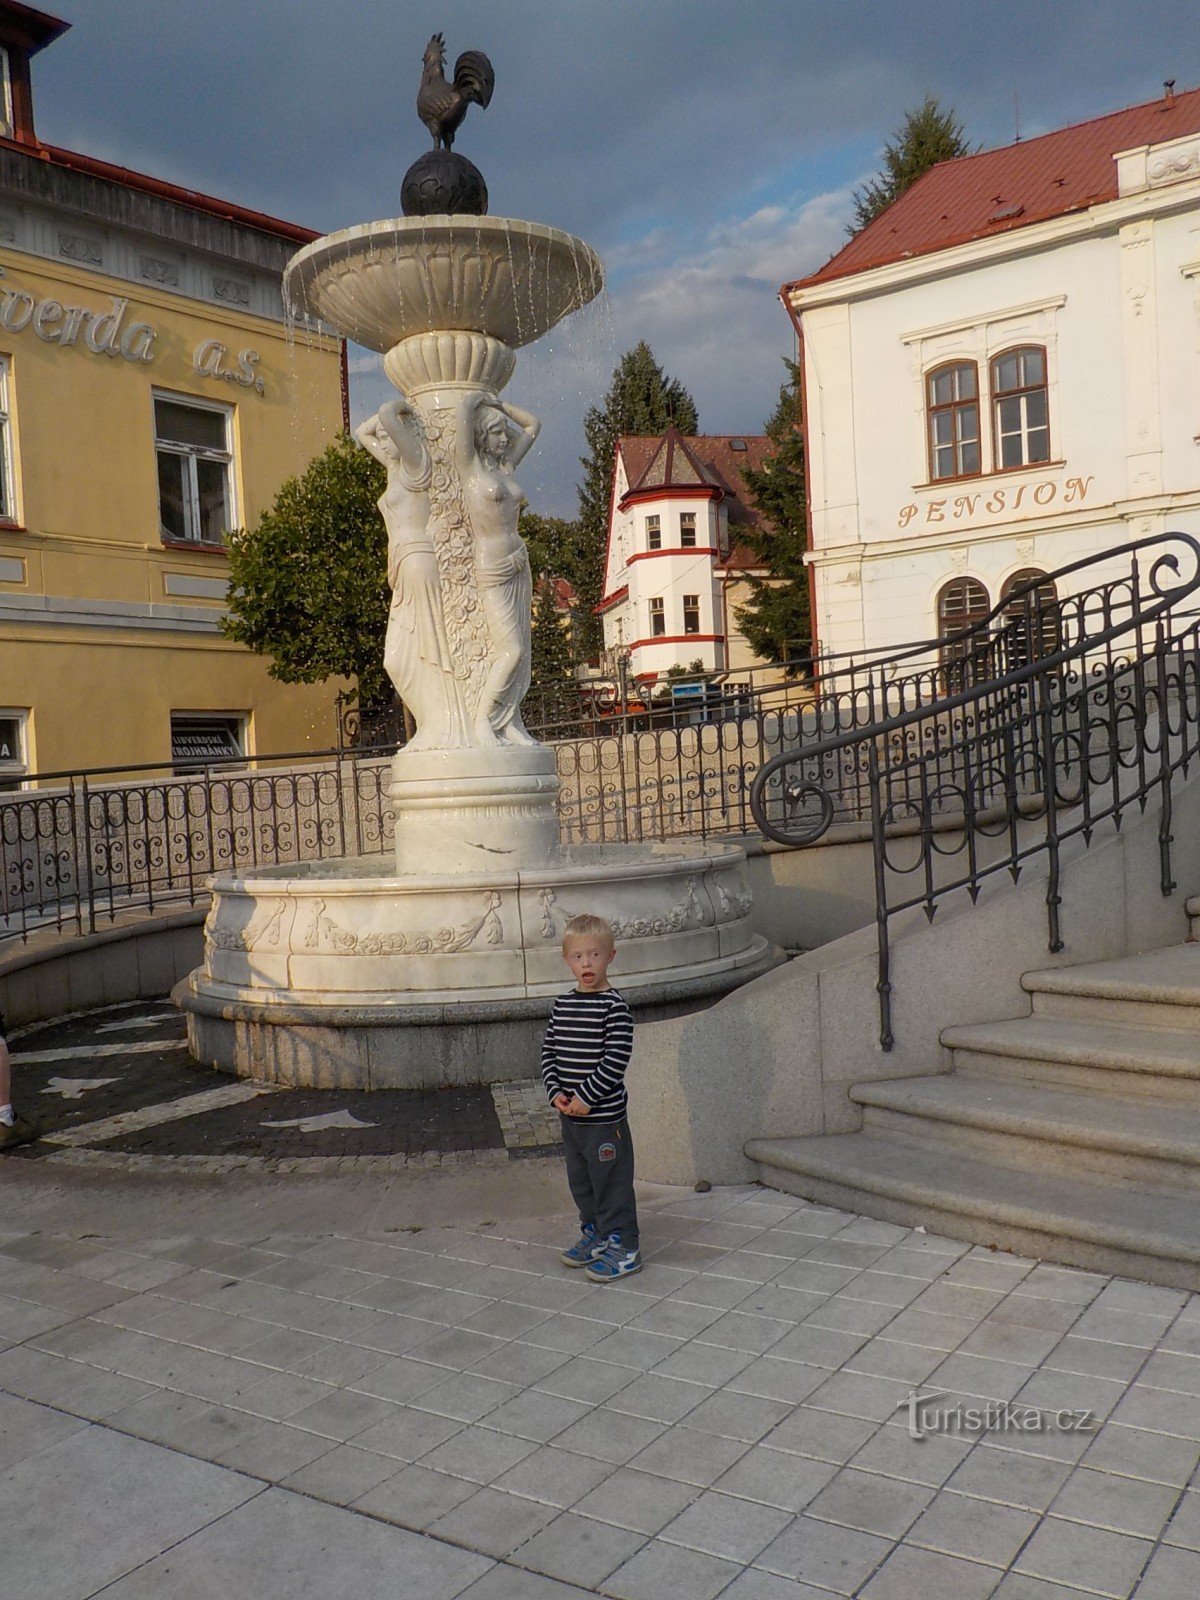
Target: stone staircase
[1072, 1134]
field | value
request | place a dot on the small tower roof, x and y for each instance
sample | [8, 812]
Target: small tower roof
[674, 465]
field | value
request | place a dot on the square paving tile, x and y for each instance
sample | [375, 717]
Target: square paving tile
[492, 1522]
[720, 1525]
[641, 1501]
[1171, 1574]
[825, 1555]
[864, 1500]
[578, 1550]
[669, 1572]
[910, 1574]
[415, 1497]
[557, 1477]
[775, 1478]
[978, 1530]
[690, 1455]
[1067, 1552]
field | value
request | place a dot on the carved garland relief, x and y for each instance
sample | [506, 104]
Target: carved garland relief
[325, 934]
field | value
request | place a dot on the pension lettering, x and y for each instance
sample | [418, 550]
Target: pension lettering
[1023, 497]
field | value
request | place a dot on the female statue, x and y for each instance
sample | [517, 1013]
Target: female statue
[417, 654]
[492, 438]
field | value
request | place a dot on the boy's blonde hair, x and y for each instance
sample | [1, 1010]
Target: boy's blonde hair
[585, 926]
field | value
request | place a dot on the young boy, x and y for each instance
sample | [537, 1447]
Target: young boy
[586, 1051]
[14, 1130]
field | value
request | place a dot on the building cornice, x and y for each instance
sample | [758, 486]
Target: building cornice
[1091, 222]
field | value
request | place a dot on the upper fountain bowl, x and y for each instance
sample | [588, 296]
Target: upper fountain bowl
[384, 282]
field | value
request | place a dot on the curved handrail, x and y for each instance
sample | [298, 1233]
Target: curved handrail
[1067, 737]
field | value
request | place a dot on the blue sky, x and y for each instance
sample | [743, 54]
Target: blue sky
[707, 150]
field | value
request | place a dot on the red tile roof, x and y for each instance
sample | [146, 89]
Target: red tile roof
[723, 467]
[976, 197]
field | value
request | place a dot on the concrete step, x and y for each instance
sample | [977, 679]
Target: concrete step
[1022, 1124]
[1062, 1052]
[1192, 907]
[1158, 989]
[1101, 1226]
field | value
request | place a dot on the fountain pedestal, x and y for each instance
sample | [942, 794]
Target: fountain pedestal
[472, 811]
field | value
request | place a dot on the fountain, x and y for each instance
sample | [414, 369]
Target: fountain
[440, 967]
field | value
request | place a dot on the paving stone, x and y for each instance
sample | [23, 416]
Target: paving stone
[1184, 1526]
[342, 1474]
[640, 1501]
[775, 1478]
[611, 1436]
[910, 1574]
[577, 1549]
[658, 1398]
[477, 1454]
[825, 1555]
[1026, 1482]
[689, 1455]
[557, 1477]
[1119, 1504]
[857, 1499]
[1170, 1575]
[415, 1497]
[719, 1525]
[536, 1416]
[493, 1522]
[824, 1434]
[662, 1571]
[978, 1530]
[1139, 1453]
[1067, 1552]
[892, 1452]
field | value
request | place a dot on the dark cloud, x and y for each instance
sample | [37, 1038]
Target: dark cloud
[708, 150]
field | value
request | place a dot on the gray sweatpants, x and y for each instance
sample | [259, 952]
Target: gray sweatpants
[600, 1175]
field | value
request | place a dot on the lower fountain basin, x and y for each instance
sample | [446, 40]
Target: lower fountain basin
[345, 975]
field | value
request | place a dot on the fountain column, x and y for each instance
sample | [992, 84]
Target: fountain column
[476, 808]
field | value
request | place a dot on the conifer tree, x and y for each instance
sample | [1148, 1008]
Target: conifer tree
[641, 400]
[775, 619]
[553, 694]
[928, 135]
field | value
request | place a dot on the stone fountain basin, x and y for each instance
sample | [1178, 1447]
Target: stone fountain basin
[345, 975]
[383, 282]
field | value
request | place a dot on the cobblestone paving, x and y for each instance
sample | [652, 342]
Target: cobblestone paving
[117, 1088]
[453, 1413]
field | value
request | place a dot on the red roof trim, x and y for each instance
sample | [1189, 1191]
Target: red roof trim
[994, 192]
[637, 497]
[125, 178]
[674, 550]
[610, 600]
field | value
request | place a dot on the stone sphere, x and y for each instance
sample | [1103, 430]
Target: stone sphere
[441, 183]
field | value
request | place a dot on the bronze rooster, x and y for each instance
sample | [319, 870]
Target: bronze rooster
[441, 106]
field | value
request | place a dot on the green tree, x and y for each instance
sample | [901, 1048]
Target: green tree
[928, 135]
[553, 545]
[553, 697]
[641, 400]
[308, 585]
[775, 619]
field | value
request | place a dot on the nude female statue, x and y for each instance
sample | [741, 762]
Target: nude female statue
[417, 653]
[492, 438]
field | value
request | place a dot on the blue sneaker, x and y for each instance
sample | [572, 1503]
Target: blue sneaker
[613, 1261]
[585, 1249]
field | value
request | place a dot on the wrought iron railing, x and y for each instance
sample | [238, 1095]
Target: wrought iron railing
[1054, 715]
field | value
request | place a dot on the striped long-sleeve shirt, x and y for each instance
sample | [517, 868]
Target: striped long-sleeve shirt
[587, 1047]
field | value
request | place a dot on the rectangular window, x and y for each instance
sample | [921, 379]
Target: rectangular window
[192, 445]
[13, 760]
[197, 738]
[1022, 420]
[6, 105]
[691, 613]
[658, 619]
[653, 533]
[687, 530]
[7, 499]
[952, 408]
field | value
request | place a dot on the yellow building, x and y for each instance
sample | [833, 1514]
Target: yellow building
[151, 399]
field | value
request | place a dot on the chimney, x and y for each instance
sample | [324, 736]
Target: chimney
[1169, 91]
[23, 32]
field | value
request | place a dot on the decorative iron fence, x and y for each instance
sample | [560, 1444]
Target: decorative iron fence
[1054, 715]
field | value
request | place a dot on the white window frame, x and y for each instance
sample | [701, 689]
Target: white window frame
[687, 525]
[657, 608]
[15, 769]
[654, 532]
[691, 604]
[191, 454]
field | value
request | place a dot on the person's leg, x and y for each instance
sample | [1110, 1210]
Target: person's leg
[611, 1162]
[6, 1110]
[579, 1180]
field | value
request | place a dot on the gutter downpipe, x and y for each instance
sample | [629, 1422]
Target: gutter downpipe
[814, 642]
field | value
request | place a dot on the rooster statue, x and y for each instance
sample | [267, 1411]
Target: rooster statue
[441, 106]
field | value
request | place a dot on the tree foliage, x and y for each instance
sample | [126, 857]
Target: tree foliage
[553, 693]
[928, 135]
[308, 585]
[641, 399]
[775, 619]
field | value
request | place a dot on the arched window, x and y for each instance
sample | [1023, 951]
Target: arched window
[952, 407]
[960, 604]
[1020, 410]
[1029, 622]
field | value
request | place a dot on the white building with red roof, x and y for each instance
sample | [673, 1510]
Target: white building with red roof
[1002, 374]
[676, 566]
